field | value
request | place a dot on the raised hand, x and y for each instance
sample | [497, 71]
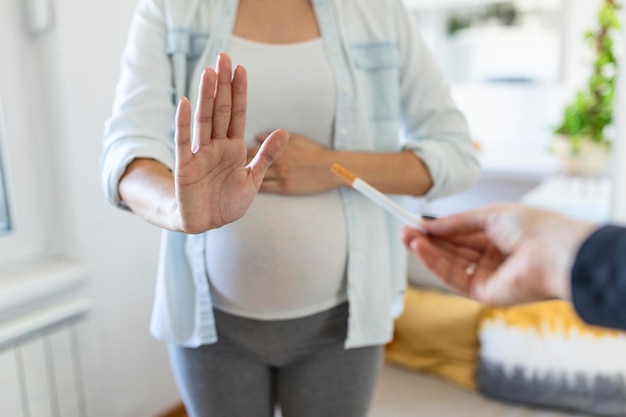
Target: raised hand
[213, 184]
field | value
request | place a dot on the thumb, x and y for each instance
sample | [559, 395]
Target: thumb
[270, 150]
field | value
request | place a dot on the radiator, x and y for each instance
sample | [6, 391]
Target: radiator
[42, 362]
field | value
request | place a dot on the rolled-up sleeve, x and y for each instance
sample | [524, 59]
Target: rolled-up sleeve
[143, 109]
[433, 127]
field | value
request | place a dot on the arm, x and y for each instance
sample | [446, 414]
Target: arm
[147, 188]
[599, 278]
[211, 184]
[435, 159]
[392, 173]
[433, 126]
[304, 168]
[143, 111]
[197, 181]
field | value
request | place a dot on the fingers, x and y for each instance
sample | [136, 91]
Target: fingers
[478, 241]
[449, 251]
[269, 151]
[204, 110]
[475, 240]
[449, 268]
[408, 234]
[182, 135]
[467, 222]
[449, 261]
[222, 104]
[223, 97]
[239, 103]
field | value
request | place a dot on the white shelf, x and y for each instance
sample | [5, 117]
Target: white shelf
[23, 286]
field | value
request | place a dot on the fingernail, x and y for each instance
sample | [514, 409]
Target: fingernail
[195, 147]
[429, 217]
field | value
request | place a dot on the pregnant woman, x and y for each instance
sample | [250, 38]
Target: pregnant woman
[289, 299]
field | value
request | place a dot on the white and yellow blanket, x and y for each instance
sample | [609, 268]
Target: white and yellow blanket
[538, 354]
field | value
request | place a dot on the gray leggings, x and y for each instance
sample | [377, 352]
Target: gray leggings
[299, 364]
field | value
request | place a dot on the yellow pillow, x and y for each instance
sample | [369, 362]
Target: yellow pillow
[543, 354]
[437, 333]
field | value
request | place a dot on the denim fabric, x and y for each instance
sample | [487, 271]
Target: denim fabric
[391, 97]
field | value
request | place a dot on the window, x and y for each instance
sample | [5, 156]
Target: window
[496, 41]
[24, 173]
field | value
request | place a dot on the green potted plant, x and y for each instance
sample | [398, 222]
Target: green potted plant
[581, 144]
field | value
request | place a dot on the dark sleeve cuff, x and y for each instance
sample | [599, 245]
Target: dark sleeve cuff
[599, 278]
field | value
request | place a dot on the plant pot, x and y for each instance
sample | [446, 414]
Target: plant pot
[589, 158]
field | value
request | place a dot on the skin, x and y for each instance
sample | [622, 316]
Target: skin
[217, 184]
[521, 254]
[304, 166]
[211, 185]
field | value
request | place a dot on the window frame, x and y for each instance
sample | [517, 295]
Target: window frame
[25, 170]
[5, 212]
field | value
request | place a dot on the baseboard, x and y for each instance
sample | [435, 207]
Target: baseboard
[176, 411]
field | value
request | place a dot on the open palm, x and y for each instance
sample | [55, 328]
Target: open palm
[214, 186]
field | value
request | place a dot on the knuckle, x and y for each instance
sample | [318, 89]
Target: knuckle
[238, 112]
[204, 118]
[223, 109]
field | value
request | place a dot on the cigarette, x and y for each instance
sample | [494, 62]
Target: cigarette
[377, 197]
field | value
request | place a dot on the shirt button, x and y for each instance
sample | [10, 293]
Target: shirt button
[345, 88]
[343, 132]
[335, 50]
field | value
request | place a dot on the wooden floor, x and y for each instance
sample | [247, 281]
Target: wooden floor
[178, 411]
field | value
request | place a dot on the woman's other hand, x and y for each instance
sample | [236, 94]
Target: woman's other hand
[303, 168]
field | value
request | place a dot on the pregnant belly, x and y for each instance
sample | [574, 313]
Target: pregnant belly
[285, 258]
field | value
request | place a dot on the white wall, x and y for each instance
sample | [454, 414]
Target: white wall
[618, 209]
[580, 15]
[133, 378]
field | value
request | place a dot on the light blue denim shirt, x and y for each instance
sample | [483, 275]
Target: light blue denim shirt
[391, 97]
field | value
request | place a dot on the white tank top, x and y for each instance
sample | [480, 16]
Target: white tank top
[286, 258]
